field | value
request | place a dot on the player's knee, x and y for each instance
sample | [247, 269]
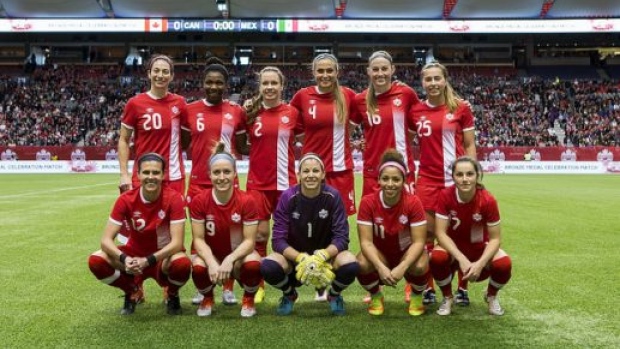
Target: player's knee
[272, 271]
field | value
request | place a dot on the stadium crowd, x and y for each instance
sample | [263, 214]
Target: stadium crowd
[82, 104]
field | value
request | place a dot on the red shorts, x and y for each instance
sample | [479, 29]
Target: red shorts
[371, 184]
[266, 201]
[178, 185]
[428, 195]
[472, 253]
[154, 271]
[195, 189]
[344, 182]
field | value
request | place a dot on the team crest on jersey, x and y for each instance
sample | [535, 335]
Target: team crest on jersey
[477, 217]
[295, 215]
[403, 219]
[175, 110]
[323, 214]
[449, 116]
[228, 116]
[236, 217]
[285, 119]
[161, 214]
[398, 102]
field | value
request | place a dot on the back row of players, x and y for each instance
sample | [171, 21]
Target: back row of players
[265, 128]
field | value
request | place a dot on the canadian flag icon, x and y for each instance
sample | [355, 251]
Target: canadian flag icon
[155, 25]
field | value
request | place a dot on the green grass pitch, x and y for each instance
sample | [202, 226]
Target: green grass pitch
[560, 231]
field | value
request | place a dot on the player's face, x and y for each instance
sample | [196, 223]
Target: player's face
[160, 74]
[392, 183]
[325, 74]
[311, 174]
[380, 72]
[270, 86]
[465, 177]
[433, 82]
[215, 86]
[222, 175]
[151, 176]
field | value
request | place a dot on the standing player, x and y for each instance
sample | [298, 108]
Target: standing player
[444, 125]
[324, 111]
[383, 109]
[469, 235]
[224, 225]
[209, 121]
[310, 224]
[392, 231]
[154, 120]
[271, 125]
[156, 232]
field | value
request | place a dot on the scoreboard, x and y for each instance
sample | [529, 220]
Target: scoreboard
[199, 25]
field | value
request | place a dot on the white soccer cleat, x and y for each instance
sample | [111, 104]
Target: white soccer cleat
[248, 309]
[494, 307]
[206, 307]
[445, 308]
[197, 298]
[228, 297]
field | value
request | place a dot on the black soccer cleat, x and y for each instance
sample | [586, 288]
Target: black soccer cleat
[129, 305]
[173, 306]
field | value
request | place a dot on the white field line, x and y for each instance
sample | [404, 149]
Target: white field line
[54, 191]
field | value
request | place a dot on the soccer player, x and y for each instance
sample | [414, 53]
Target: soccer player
[383, 108]
[310, 219]
[271, 128]
[392, 232]
[224, 225]
[468, 232]
[156, 232]
[211, 120]
[324, 111]
[444, 125]
[154, 120]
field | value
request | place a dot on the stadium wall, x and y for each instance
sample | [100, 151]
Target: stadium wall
[598, 153]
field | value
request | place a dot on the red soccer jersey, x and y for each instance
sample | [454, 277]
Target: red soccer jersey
[210, 124]
[468, 221]
[440, 134]
[324, 135]
[156, 126]
[391, 226]
[149, 228]
[223, 222]
[272, 161]
[388, 128]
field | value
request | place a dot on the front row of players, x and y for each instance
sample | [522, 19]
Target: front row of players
[310, 238]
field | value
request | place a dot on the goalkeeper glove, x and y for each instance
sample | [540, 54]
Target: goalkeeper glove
[302, 261]
[322, 254]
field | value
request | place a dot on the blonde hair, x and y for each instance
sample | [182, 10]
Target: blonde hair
[341, 107]
[450, 95]
[257, 101]
[371, 98]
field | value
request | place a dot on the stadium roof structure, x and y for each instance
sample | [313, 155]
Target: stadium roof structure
[346, 9]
